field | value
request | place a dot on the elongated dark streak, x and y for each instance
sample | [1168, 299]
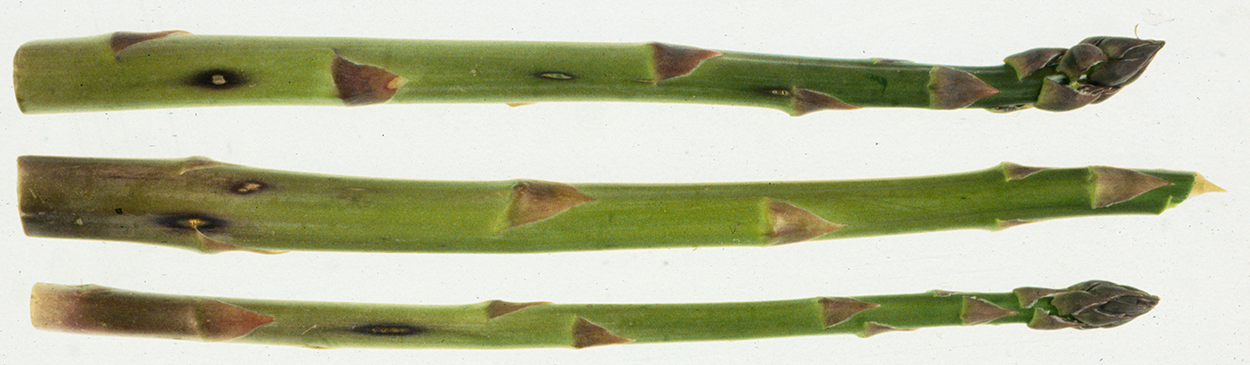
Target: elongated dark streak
[389, 329]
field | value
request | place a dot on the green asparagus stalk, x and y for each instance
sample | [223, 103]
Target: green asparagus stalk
[498, 324]
[176, 69]
[209, 206]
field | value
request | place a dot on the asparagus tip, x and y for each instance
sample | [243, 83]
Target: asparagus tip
[1203, 186]
[840, 309]
[120, 40]
[1114, 185]
[1102, 304]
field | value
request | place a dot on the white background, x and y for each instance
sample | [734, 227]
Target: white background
[1186, 113]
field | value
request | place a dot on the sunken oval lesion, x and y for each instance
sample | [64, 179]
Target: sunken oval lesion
[191, 222]
[246, 187]
[555, 75]
[217, 79]
[388, 329]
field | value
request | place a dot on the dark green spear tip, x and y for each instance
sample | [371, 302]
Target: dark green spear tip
[1102, 304]
[1127, 58]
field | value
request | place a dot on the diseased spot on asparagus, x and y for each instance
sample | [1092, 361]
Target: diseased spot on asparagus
[1046, 321]
[120, 40]
[98, 309]
[953, 89]
[939, 293]
[785, 93]
[838, 309]
[1030, 295]
[674, 61]
[874, 328]
[1027, 62]
[217, 79]
[555, 75]
[248, 187]
[1114, 185]
[498, 308]
[587, 334]
[807, 101]
[1014, 171]
[534, 201]
[979, 311]
[191, 222]
[388, 329]
[363, 84]
[790, 224]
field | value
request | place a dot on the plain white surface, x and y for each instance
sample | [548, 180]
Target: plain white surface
[1186, 113]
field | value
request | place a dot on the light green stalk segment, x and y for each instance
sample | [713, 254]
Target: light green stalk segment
[175, 69]
[210, 206]
[498, 324]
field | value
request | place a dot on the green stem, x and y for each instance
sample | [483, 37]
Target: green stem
[176, 69]
[499, 324]
[209, 206]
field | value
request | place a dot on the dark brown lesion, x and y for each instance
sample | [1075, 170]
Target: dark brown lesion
[191, 222]
[217, 79]
[120, 40]
[389, 329]
[363, 84]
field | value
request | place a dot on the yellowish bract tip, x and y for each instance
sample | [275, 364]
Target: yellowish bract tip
[1202, 186]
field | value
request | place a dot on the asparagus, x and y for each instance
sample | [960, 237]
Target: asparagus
[209, 206]
[498, 324]
[127, 70]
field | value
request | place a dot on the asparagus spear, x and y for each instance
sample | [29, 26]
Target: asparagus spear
[500, 324]
[209, 206]
[176, 69]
